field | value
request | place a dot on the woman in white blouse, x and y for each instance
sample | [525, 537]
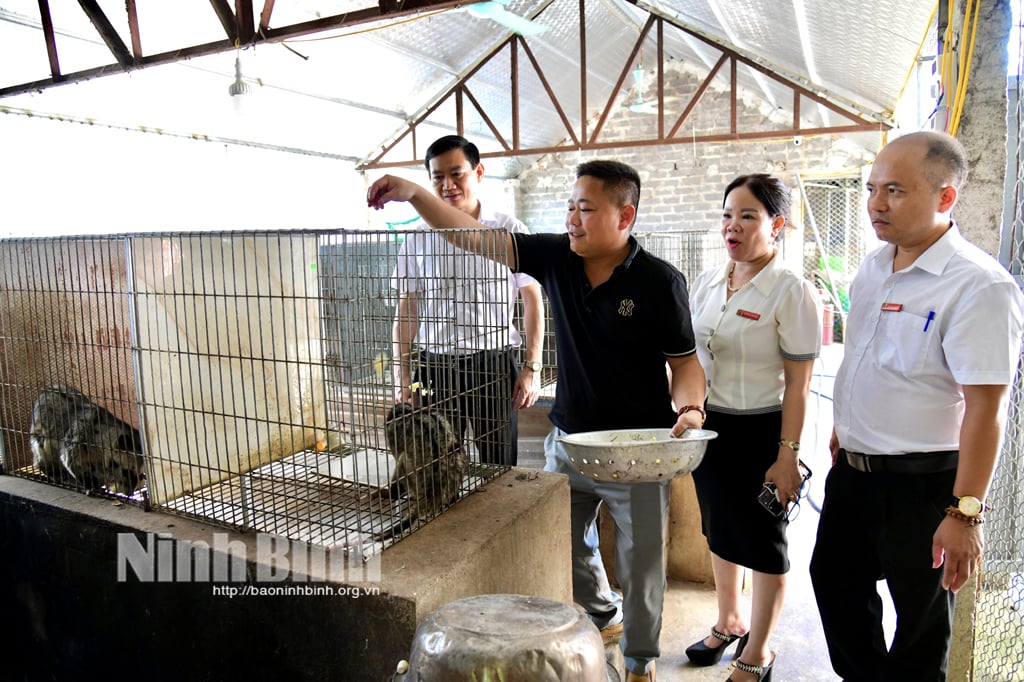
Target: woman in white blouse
[758, 330]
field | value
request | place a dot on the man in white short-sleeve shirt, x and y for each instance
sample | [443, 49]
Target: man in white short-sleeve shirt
[932, 345]
[455, 318]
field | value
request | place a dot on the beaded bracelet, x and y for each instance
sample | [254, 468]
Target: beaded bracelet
[955, 513]
[696, 408]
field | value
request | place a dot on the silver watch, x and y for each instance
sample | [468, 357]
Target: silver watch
[534, 365]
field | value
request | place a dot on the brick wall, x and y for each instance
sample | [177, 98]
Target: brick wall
[683, 183]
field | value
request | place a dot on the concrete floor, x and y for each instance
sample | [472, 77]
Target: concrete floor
[690, 608]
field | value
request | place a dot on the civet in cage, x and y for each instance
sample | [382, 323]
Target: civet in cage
[429, 463]
[73, 439]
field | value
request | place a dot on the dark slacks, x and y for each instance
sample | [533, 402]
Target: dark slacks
[876, 526]
[475, 389]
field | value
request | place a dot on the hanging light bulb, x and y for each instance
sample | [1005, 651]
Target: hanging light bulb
[239, 87]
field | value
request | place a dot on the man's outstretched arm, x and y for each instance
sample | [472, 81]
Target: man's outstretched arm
[496, 245]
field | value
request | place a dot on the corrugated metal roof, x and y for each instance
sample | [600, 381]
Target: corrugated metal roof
[350, 91]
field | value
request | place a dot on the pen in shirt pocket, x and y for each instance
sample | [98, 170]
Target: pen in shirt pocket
[929, 317]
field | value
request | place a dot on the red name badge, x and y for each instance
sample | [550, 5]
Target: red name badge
[747, 314]
[892, 307]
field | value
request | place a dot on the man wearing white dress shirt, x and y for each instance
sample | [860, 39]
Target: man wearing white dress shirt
[932, 346]
[455, 314]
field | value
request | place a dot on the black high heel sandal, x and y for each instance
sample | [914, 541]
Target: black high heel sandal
[763, 672]
[703, 655]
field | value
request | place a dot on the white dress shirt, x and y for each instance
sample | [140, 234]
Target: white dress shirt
[915, 337]
[741, 342]
[466, 303]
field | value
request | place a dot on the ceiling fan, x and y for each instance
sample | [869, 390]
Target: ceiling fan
[639, 106]
[495, 11]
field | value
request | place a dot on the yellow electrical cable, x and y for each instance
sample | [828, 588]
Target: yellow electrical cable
[952, 119]
[962, 57]
[963, 71]
[920, 46]
[946, 65]
[954, 103]
[961, 63]
[962, 94]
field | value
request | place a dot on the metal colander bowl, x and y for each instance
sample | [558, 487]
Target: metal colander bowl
[636, 455]
[507, 637]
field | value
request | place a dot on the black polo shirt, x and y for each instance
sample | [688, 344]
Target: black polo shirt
[612, 341]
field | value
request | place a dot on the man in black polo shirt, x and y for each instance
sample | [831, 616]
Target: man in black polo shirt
[620, 314]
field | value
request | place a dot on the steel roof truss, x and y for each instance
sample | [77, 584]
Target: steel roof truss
[853, 121]
[239, 27]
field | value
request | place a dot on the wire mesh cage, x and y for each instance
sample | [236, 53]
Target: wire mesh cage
[834, 240]
[68, 390]
[999, 611]
[691, 252]
[247, 378]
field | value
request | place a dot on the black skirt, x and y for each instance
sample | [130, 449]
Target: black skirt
[728, 480]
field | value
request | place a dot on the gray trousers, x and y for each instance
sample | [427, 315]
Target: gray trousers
[639, 556]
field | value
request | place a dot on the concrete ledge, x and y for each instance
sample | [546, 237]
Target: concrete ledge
[511, 536]
[73, 618]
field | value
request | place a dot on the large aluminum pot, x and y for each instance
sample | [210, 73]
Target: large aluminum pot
[636, 455]
[508, 637]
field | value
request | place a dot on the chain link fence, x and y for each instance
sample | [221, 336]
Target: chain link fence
[999, 613]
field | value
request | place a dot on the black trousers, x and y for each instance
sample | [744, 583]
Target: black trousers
[876, 526]
[475, 389]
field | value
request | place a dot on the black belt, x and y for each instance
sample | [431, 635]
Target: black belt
[913, 463]
[451, 358]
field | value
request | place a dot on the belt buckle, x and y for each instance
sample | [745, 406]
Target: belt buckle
[858, 462]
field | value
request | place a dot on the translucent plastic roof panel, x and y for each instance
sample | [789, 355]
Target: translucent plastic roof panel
[353, 90]
[861, 52]
[22, 50]
[168, 26]
[871, 61]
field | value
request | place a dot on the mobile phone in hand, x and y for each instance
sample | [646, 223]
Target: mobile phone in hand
[768, 498]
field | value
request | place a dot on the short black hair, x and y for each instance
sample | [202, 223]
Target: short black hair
[621, 181]
[768, 189]
[447, 143]
[945, 161]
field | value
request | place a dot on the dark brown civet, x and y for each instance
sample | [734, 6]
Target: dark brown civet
[429, 462]
[73, 438]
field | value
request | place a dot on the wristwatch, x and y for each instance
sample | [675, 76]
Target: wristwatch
[969, 506]
[532, 365]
